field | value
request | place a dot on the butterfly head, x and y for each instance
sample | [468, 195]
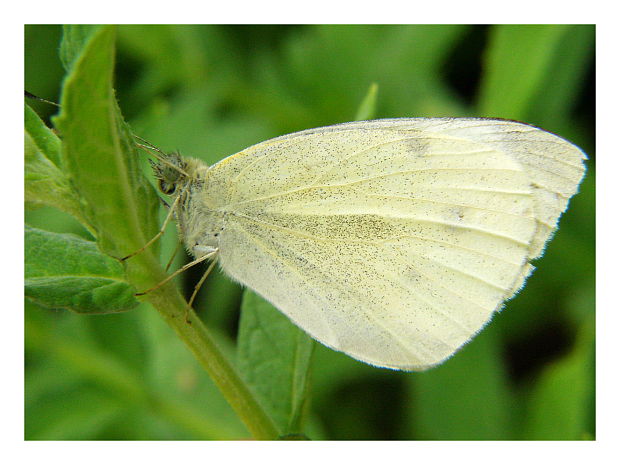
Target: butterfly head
[170, 173]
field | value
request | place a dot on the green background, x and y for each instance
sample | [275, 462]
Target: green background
[211, 91]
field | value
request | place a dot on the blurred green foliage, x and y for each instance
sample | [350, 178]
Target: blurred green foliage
[211, 91]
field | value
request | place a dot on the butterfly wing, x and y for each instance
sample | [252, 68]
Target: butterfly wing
[393, 241]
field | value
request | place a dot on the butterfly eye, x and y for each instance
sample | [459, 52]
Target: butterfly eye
[167, 188]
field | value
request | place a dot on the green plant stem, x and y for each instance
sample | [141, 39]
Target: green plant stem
[196, 336]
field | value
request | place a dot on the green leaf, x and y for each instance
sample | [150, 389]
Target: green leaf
[65, 271]
[449, 402]
[74, 39]
[100, 155]
[560, 404]
[44, 182]
[274, 356]
[518, 58]
[559, 92]
[44, 138]
[368, 108]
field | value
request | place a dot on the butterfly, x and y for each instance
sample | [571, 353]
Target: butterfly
[394, 241]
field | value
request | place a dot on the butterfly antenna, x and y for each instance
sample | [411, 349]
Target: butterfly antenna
[156, 152]
[146, 143]
[34, 97]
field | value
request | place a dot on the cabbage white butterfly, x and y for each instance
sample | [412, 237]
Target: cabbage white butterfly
[394, 241]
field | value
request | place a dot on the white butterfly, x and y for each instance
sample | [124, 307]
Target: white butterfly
[394, 241]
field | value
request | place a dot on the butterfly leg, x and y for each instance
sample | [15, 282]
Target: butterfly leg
[201, 282]
[174, 254]
[198, 286]
[160, 233]
[179, 271]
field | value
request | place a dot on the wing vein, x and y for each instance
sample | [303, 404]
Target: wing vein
[336, 186]
[439, 202]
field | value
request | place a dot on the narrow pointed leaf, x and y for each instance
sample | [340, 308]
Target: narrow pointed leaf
[368, 108]
[99, 153]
